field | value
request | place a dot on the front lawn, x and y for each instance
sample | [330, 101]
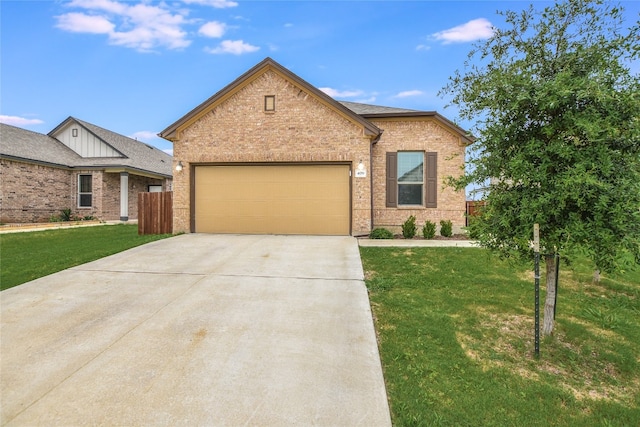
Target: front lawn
[455, 329]
[27, 256]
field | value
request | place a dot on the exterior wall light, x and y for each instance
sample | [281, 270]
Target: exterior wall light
[179, 166]
[360, 166]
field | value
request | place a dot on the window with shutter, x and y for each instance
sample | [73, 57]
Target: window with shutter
[412, 179]
[432, 180]
[392, 180]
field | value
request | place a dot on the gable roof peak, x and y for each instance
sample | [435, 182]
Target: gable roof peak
[172, 132]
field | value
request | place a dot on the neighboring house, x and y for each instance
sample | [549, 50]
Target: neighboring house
[77, 166]
[270, 153]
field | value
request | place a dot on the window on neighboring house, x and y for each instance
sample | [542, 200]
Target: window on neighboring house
[409, 182]
[85, 193]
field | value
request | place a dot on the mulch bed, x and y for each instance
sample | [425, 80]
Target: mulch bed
[419, 237]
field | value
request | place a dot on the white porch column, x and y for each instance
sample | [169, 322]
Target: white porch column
[124, 196]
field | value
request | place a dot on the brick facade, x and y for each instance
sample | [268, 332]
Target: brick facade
[301, 129]
[427, 135]
[34, 193]
[304, 129]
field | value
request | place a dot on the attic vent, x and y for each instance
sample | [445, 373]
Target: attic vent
[270, 103]
[149, 146]
[74, 132]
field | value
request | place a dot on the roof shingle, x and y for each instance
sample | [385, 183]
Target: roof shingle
[32, 146]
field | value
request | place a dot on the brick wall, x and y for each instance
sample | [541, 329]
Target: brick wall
[33, 193]
[302, 129]
[139, 184]
[423, 134]
[109, 197]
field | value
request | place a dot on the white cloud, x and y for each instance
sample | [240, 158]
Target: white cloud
[213, 29]
[218, 4]
[153, 27]
[145, 135]
[235, 47]
[476, 29]
[140, 26]
[335, 93]
[408, 93]
[423, 47]
[81, 23]
[288, 25]
[104, 5]
[19, 121]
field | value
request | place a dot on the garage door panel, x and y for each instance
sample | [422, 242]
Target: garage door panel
[291, 199]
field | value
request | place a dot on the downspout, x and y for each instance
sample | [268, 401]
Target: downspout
[373, 141]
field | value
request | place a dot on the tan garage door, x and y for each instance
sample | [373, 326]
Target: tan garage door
[291, 199]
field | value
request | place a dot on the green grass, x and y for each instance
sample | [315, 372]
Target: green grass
[27, 256]
[455, 329]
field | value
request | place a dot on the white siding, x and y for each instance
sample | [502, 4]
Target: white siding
[85, 143]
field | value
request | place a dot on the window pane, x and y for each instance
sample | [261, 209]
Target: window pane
[85, 183]
[85, 200]
[410, 167]
[410, 194]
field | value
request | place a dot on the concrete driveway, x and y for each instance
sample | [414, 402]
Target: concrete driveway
[196, 330]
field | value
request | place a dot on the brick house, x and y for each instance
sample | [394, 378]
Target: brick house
[271, 153]
[77, 166]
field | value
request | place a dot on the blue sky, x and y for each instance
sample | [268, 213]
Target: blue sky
[135, 67]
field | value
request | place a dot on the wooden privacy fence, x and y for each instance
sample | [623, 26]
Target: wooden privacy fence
[155, 213]
[472, 208]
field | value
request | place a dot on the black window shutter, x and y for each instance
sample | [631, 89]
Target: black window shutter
[392, 180]
[432, 180]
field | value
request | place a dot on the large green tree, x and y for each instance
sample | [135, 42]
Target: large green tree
[557, 107]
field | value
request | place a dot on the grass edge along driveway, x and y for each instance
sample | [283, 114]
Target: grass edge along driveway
[29, 255]
[455, 330]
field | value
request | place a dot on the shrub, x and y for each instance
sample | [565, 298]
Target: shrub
[472, 228]
[446, 228]
[429, 230]
[409, 228]
[66, 215]
[380, 233]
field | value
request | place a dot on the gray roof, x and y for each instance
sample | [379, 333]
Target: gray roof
[376, 112]
[32, 146]
[138, 154]
[22, 144]
[366, 109]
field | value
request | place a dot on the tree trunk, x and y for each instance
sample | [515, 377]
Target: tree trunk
[550, 300]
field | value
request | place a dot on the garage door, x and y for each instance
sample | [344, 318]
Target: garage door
[291, 199]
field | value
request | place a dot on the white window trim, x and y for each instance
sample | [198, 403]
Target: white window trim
[84, 193]
[421, 183]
